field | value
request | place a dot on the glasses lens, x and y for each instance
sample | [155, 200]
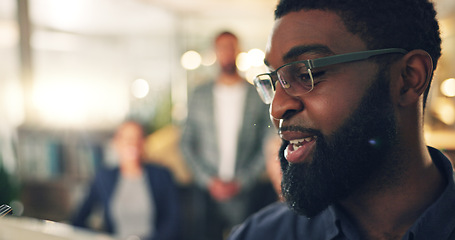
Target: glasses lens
[264, 86]
[296, 78]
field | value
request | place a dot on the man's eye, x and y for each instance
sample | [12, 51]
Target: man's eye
[301, 73]
[303, 77]
[317, 74]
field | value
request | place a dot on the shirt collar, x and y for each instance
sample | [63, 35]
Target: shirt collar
[345, 229]
[437, 222]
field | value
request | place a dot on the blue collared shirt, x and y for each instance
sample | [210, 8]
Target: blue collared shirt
[278, 222]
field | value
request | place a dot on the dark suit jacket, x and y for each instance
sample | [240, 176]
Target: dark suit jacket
[160, 184]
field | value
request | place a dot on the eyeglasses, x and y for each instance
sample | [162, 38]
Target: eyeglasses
[297, 78]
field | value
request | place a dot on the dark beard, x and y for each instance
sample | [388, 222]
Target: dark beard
[229, 69]
[347, 160]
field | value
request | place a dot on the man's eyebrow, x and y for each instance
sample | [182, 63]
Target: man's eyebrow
[296, 51]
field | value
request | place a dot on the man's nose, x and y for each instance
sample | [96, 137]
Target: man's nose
[284, 105]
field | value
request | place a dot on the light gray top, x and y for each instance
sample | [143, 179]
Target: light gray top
[133, 209]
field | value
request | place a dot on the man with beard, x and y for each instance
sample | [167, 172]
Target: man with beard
[222, 143]
[347, 88]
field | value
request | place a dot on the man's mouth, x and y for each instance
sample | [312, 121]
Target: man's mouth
[298, 150]
[297, 143]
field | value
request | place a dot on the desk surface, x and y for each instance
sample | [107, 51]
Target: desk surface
[20, 228]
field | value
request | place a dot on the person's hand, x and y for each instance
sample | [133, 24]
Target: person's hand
[222, 191]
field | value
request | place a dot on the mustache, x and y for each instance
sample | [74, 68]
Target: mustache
[295, 128]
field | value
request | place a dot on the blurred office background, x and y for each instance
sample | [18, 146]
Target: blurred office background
[72, 70]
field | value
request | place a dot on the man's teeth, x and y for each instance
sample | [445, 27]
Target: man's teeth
[297, 143]
[307, 139]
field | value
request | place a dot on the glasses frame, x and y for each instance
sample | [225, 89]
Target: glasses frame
[312, 64]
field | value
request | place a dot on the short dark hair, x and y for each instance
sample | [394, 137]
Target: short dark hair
[225, 33]
[408, 24]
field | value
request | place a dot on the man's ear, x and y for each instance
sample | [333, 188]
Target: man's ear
[416, 72]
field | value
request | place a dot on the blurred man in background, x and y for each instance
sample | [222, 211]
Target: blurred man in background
[222, 142]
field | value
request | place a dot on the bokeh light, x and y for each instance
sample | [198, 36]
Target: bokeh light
[242, 61]
[208, 58]
[256, 57]
[444, 110]
[140, 88]
[448, 87]
[253, 58]
[191, 60]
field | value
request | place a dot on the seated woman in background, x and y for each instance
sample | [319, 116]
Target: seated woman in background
[138, 200]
